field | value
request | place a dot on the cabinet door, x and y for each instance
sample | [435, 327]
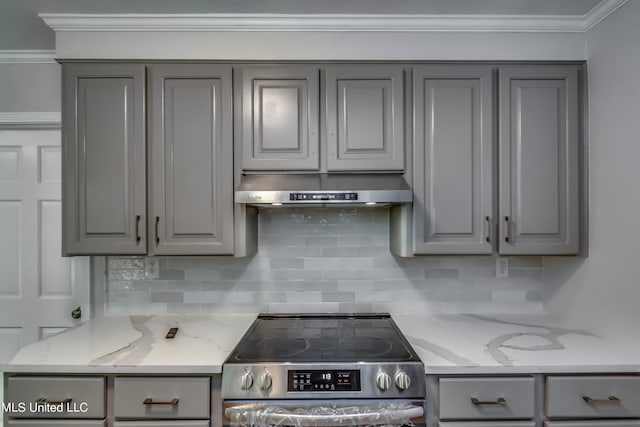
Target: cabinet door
[539, 160]
[104, 201]
[453, 160]
[191, 160]
[280, 115]
[365, 117]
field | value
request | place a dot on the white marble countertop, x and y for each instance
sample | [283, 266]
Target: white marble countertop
[447, 344]
[136, 344]
[512, 344]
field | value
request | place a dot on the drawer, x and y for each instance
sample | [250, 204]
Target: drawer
[47, 423]
[161, 424]
[162, 397]
[593, 396]
[66, 397]
[487, 398]
[487, 424]
[595, 423]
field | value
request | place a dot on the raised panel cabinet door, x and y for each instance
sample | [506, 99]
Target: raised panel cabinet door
[453, 160]
[280, 117]
[103, 124]
[191, 160]
[539, 188]
[365, 117]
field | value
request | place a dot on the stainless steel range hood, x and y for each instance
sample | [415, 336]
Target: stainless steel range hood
[323, 189]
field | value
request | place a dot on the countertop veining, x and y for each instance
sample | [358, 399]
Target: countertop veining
[447, 344]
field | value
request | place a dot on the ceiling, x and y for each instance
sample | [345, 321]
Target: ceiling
[21, 29]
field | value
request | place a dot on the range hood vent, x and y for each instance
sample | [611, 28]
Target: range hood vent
[365, 189]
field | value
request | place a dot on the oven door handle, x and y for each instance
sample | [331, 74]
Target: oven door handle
[261, 415]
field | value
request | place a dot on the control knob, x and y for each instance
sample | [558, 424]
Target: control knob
[246, 381]
[383, 380]
[264, 381]
[402, 380]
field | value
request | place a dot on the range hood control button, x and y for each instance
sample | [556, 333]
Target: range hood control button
[383, 380]
[246, 381]
[264, 381]
[402, 380]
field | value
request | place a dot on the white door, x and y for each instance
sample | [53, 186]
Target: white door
[38, 288]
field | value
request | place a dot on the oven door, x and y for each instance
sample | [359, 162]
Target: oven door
[324, 413]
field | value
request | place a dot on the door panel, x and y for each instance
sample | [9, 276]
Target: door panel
[191, 160]
[453, 156]
[280, 117]
[38, 287]
[104, 159]
[365, 112]
[539, 161]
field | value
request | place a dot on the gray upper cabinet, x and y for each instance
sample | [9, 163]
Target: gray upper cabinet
[453, 159]
[104, 202]
[190, 160]
[539, 188]
[279, 117]
[365, 117]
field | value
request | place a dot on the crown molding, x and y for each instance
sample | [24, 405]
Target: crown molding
[329, 22]
[27, 56]
[30, 120]
[601, 11]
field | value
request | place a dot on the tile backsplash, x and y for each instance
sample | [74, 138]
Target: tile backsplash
[325, 260]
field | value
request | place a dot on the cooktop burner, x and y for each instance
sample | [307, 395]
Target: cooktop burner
[322, 338]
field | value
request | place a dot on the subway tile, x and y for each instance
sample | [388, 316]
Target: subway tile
[338, 296]
[171, 275]
[287, 263]
[167, 297]
[441, 273]
[321, 241]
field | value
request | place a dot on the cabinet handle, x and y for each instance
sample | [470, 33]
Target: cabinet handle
[157, 226]
[498, 401]
[610, 400]
[45, 401]
[507, 229]
[138, 238]
[150, 401]
[487, 231]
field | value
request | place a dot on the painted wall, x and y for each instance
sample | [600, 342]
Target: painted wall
[31, 87]
[602, 292]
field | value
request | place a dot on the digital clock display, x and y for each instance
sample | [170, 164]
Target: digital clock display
[321, 380]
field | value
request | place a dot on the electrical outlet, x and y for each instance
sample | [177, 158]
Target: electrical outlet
[502, 267]
[152, 267]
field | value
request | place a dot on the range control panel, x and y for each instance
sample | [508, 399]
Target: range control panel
[323, 380]
[311, 197]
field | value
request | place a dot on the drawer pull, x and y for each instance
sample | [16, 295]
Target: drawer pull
[149, 401]
[45, 401]
[498, 401]
[610, 400]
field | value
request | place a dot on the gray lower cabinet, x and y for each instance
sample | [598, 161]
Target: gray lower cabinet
[596, 423]
[279, 117]
[111, 400]
[47, 423]
[190, 160]
[487, 398]
[589, 397]
[365, 117]
[487, 424]
[161, 424]
[163, 398]
[539, 189]
[453, 159]
[103, 123]
[189, 191]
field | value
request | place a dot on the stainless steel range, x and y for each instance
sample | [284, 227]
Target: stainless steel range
[321, 370]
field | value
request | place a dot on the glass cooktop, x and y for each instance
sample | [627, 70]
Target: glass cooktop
[323, 338]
